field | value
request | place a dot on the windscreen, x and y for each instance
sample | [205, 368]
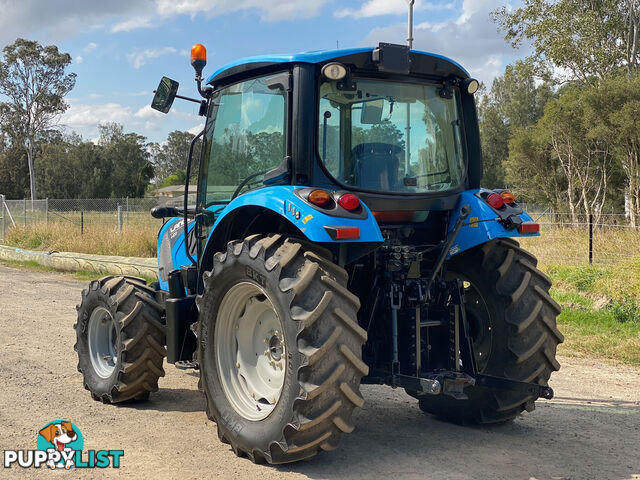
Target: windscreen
[396, 137]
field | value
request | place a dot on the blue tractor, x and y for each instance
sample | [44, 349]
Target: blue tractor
[339, 236]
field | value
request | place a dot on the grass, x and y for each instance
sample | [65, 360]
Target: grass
[601, 302]
[597, 333]
[138, 241]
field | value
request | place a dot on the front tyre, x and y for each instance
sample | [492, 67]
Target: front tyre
[279, 349]
[120, 339]
[512, 320]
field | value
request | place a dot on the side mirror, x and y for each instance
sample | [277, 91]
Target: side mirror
[165, 95]
[372, 112]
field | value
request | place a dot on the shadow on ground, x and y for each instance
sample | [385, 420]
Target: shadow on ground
[395, 439]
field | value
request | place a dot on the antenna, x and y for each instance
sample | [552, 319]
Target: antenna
[407, 147]
[410, 25]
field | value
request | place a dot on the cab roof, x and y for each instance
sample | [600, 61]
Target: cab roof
[440, 64]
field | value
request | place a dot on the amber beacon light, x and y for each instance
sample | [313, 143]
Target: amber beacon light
[198, 57]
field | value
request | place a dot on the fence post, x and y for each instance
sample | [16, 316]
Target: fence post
[46, 209]
[591, 239]
[81, 222]
[4, 221]
[127, 210]
[25, 212]
[119, 218]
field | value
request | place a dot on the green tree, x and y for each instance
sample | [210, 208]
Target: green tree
[34, 80]
[591, 39]
[170, 158]
[131, 169]
[532, 171]
[577, 148]
[14, 172]
[612, 109]
[516, 100]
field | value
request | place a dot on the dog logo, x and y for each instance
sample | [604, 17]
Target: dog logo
[65, 438]
[60, 445]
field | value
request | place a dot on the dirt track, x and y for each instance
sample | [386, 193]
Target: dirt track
[590, 430]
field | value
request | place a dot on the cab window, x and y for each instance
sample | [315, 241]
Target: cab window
[245, 139]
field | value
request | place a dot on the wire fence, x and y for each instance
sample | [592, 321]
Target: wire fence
[605, 239]
[580, 239]
[78, 214]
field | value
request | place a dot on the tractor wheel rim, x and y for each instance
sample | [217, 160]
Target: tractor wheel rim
[103, 336]
[480, 325]
[250, 351]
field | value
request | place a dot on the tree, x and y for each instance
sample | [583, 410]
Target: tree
[531, 170]
[71, 168]
[14, 173]
[566, 142]
[33, 79]
[127, 153]
[591, 39]
[612, 109]
[516, 100]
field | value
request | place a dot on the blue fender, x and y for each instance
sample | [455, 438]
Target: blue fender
[171, 252]
[480, 227]
[311, 222]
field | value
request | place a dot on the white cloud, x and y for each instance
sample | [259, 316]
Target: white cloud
[84, 118]
[55, 20]
[471, 39]
[373, 8]
[140, 57]
[269, 10]
[78, 59]
[147, 113]
[197, 129]
[132, 24]
[90, 47]
[81, 116]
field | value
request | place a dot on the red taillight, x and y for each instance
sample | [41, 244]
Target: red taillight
[529, 227]
[343, 233]
[349, 201]
[495, 201]
[320, 198]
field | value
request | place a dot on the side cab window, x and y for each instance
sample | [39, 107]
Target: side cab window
[245, 138]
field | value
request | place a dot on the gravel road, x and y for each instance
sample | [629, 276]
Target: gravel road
[590, 430]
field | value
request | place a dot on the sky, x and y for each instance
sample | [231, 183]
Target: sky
[121, 48]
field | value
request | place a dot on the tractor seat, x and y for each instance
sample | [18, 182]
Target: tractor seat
[376, 165]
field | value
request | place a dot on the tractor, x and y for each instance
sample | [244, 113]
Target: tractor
[339, 236]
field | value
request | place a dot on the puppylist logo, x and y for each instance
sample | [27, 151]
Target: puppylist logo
[60, 445]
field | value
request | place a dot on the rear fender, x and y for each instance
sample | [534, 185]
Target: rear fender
[481, 226]
[289, 213]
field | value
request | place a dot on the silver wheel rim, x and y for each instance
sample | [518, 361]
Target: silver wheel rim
[102, 336]
[250, 351]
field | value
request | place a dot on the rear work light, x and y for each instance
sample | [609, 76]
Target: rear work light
[349, 201]
[529, 227]
[343, 233]
[320, 198]
[495, 201]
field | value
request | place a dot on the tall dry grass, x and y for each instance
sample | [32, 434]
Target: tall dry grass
[133, 241]
[570, 245]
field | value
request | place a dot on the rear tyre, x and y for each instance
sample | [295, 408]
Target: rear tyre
[513, 328]
[120, 339]
[279, 349]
